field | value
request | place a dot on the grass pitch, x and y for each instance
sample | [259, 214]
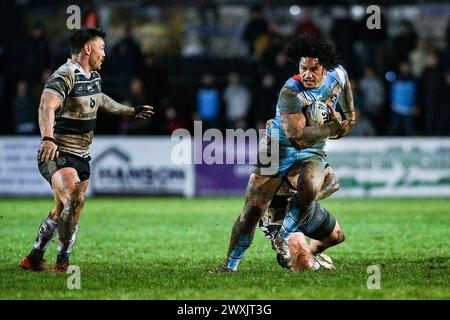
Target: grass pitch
[159, 248]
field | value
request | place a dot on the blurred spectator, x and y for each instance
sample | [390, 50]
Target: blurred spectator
[443, 122]
[156, 87]
[403, 43]
[255, 28]
[344, 36]
[375, 43]
[356, 91]
[418, 57]
[208, 102]
[282, 69]
[372, 92]
[276, 45]
[433, 88]
[39, 86]
[447, 34]
[36, 54]
[192, 45]
[363, 127]
[127, 60]
[265, 100]
[237, 102]
[305, 25]
[155, 80]
[25, 110]
[403, 101]
[173, 120]
[90, 17]
[135, 97]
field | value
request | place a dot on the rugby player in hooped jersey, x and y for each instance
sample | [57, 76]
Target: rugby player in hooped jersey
[67, 116]
[321, 82]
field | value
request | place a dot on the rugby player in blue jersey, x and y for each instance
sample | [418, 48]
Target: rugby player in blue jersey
[300, 136]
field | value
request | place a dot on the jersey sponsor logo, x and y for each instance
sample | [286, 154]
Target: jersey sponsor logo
[91, 102]
[85, 115]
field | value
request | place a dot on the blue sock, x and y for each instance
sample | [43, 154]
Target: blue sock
[237, 253]
[292, 220]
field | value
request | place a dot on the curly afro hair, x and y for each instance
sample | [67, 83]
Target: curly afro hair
[308, 45]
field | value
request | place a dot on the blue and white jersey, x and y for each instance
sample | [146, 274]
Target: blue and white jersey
[334, 83]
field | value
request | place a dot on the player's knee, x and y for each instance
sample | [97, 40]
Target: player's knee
[339, 237]
[307, 193]
[56, 211]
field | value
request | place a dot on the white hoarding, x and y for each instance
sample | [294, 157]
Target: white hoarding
[391, 167]
[19, 173]
[365, 167]
[138, 165]
[119, 165]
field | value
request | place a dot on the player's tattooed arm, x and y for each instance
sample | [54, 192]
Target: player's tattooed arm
[294, 122]
[48, 105]
[348, 107]
[111, 106]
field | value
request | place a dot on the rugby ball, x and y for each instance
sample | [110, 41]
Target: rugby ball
[317, 114]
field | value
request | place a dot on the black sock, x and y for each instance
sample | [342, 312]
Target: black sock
[62, 257]
[37, 254]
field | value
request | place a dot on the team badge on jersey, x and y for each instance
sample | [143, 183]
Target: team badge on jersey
[61, 161]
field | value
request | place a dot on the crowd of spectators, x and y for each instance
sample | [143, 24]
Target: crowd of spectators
[401, 85]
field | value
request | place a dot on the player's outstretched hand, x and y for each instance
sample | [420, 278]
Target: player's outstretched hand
[48, 151]
[143, 112]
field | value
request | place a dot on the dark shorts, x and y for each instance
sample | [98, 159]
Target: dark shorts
[318, 225]
[65, 160]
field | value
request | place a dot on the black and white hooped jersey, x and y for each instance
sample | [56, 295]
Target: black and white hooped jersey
[81, 96]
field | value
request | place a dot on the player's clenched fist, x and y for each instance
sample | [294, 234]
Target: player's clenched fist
[347, 126]
[143, 112]
[344, 126]
[48, 150]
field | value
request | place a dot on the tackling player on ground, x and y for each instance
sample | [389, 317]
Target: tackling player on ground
[321, 227]
[67, 116]
[320, 84]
